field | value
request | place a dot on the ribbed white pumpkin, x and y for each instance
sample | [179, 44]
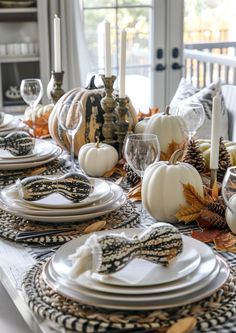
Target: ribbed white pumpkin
[95, 159]
[168, 128]
[230, 216]
[162, 187]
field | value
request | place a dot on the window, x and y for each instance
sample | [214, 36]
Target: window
[134, 16]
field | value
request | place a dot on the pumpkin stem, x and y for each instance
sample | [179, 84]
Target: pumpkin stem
[91, 84]
[97, 142]
[176, 156]
[167, 110]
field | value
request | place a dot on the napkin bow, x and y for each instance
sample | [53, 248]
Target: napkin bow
[17, 143]
[73, 186]
[107, 254]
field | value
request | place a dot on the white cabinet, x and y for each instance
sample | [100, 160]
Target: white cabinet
[24, 51]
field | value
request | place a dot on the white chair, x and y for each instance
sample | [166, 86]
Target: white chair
[229, 93]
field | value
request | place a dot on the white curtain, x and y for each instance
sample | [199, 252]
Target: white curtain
[75, 57]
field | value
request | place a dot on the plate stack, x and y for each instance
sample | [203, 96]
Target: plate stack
[195, 274]
[9, 124]
[43, 153]
[55, 208]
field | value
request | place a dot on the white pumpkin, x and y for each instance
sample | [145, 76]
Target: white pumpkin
[141, 125]
[162, 187]
[168, 128]
[230, 216]
[95, 159]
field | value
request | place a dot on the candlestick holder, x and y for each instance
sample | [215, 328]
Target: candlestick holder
[54, 89]
[213, 178]
[108, 104]
[122, 124]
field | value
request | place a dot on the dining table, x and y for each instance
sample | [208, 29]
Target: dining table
[20, 263]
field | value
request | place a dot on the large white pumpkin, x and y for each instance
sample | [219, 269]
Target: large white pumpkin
[95, 159]
[162, 187]
[230, 216]
[168, 128]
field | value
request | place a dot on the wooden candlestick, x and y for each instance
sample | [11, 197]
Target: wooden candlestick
[55, 90]
[122, 124]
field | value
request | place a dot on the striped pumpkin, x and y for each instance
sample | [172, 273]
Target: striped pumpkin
[90, 98]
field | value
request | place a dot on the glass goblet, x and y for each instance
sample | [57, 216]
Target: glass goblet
[140, 151]
[193, 115]
[70, 117]
[32, 91]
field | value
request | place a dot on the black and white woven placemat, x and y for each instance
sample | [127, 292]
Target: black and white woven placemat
[127, 216]
[48, 304]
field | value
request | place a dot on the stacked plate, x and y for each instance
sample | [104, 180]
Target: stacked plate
[195, 274]
[55, 208]
[9, 124]
[43, 153]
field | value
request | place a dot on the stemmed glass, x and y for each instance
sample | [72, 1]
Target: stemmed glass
[70, 117]
[229, 195]
[193, 115]
[140, 151]
[32, 91]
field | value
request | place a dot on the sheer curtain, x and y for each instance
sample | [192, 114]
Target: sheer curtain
[75, 57]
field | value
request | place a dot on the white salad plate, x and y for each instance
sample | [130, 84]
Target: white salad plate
[17, 205]
[213, 272]
[12, 125]
[42, 151]
[32, 163]
[8, 118]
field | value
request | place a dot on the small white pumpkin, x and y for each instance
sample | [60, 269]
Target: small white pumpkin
[230, 216]
[95, 159]
[168, 128]
[162, 187]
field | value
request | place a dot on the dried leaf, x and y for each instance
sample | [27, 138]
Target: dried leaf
[96, 226]
[36, 171]
[118, 169]
[206, 236]
[210, 219]
[226, 242]
[187, 214]
[172, 147]
[151, 112]
[192, 197]
[184, 325]
[135, 193]
[215, 190]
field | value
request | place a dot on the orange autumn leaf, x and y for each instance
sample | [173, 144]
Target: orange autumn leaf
[118, 169]
[226, 242]
[193, 197]
[188, 214]
[215, 190]
[135, 194]
[172, 147]
[151, 112]
[207, 235]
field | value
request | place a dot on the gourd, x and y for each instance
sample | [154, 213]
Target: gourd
[91, 127]
[40, 123]
[205, 146]
[95, 159]
[73, 186]
[168, 128]
[17, 143]
[162, 187]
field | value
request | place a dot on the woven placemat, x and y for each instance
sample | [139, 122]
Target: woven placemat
[57, 166]
[11, 226]
[71, 315]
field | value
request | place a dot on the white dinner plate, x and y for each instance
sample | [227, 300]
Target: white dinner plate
[43, 150]
[10, 126]
[57, 201]
[62, 265]
[66, 219]
[133, 303]
[17, 205]
[6, 155]
[93, 292]
[8, 118]
[31, 164]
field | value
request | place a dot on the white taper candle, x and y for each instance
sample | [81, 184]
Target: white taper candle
[215, 132]
[122, 63]
[107, 48]
[57, 44]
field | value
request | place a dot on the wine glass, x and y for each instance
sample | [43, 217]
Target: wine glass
[140, 151]
[31, 91]
[229, 195]
[193, 115]
[70, 117]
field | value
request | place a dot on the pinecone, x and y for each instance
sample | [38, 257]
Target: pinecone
[218, 207]
[194, 156]
[224, 161]
[132, 178]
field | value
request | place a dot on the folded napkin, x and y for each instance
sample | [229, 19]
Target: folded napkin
[74, 186]
[159, 244]
[18, 143]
